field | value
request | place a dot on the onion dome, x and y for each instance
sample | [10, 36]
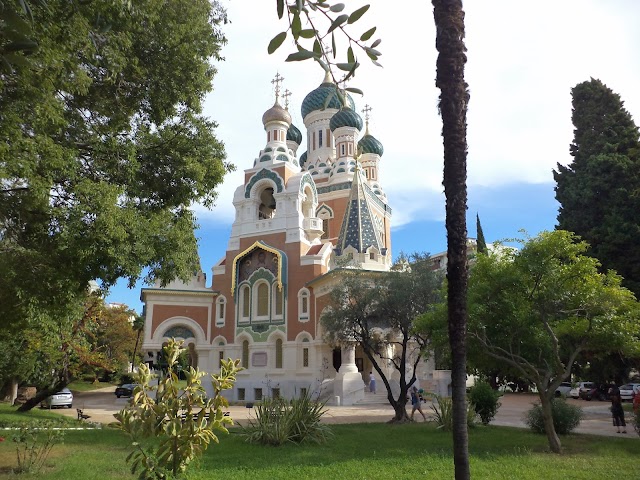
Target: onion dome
[276, 114]
[303, 159]
[294, 135]
[346, 117]
[316, 99]
[370, 144]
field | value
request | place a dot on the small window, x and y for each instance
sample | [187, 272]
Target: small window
[220, 358]
[257, 394]
[328, 137]
[305, 357]
[314, 140]
[303, 392]
[245, 354]
[277, 301]
[342, 149]
[279, 353]
[241, 394]
[372, 255]
[221, 304]
[350, 148]
[320, 138]
[325, 228]
[275, 393]
[305, 305]
[268, 136]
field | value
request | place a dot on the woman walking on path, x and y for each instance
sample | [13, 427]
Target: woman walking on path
[616, 409]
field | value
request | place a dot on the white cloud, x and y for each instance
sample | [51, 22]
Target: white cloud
[523, 60]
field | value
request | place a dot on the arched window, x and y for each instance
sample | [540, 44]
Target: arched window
[279, 353]
[245, 302]
[221, 305]
[262, 300]
[303, 305]
[245, 354]
[278, 294]
[305, 352]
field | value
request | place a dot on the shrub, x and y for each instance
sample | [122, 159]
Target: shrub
[443, 413]
[485, 401]
[279, 421]
[566, 417]
[34, 443]
[636, 420]
[172, 429]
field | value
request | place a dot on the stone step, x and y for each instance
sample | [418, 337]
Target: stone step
[378, 398]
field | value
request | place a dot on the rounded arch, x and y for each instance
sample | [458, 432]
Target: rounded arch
[304, 337]
[262, 179]
[261, 303]
[304, 304]
[179, 321]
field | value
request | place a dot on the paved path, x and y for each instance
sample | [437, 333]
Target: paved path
[102, 404]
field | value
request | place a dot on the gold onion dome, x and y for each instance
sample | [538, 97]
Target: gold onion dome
[277, 113]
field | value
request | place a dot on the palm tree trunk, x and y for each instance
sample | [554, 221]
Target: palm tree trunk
[449, 20]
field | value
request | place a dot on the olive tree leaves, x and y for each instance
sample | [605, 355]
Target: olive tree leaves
[317, 40]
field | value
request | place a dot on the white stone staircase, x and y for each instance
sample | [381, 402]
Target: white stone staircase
[378, 398]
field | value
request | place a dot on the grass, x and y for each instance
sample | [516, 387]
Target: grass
[357, 451]
[9, 417]
[80, 386]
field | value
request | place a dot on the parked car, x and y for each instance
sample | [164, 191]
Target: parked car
[63, 398]
[628, 390]
[575, 391]
[125, 390]
[599, 391]
[564, 389]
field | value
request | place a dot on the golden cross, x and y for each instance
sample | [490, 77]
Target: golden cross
[286, 96]
[366, 111]
[276, 81]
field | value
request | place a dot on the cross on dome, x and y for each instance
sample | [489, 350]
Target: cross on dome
[366, 111]
[276, 81]
[286, 96]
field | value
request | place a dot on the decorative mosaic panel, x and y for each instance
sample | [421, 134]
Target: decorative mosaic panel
[264, 173]
[179, 331]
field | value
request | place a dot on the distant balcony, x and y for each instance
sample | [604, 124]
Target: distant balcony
[312, 227]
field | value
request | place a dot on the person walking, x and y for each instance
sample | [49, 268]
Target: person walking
[372, 382]
[616, 409]
[415, 403]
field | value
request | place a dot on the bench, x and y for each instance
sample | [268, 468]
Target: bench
[81, 414]
[183, 416]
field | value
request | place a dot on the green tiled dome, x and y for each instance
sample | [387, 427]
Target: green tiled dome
[303, 159]
[370, 144]
[294, 134]
[346, 117]
[316, 98]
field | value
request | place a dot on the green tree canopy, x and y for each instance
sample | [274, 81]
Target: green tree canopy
[599, 192]
[536, 309]
[103, 148]
[376, 310]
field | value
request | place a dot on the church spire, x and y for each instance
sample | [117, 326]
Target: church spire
[358, 229]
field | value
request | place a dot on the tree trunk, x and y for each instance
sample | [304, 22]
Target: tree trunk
[449, 20]
[401, 415]
[135, 349]
[549, 428]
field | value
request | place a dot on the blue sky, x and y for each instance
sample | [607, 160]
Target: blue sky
[523, 60]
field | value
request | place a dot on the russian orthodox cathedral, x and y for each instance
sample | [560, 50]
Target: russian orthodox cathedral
[297, 216]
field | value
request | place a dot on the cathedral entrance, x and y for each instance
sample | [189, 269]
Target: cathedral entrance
[337, 358]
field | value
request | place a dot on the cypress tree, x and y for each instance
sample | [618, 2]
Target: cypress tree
[598, 190]
[482, 244]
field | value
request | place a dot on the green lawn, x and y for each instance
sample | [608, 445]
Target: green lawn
[358, 451]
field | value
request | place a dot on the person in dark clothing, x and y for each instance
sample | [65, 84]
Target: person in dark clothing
[616, 409]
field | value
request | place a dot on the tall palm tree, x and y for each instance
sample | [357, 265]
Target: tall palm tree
[449, 20]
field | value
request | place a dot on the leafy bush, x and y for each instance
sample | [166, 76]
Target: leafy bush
[566, 417]
[34, 443]
[172, 429]
[485, 401]
[280, 421]
[443, 413]
[636, 420]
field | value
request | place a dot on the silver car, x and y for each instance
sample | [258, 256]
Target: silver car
[627, 391]
[63, 398]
